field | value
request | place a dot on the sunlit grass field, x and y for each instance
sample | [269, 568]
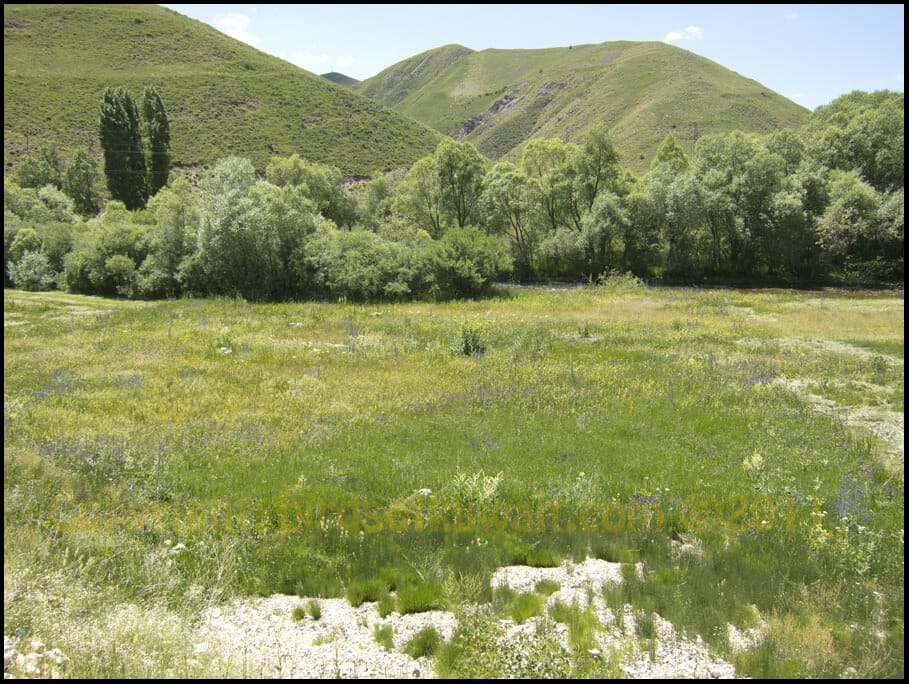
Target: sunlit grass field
[404, 452]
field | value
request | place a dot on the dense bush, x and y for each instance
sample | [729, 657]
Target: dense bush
[32, 272]
[104, 258]
[361, 266]
[466, 263]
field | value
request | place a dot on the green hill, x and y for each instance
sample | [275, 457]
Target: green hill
[340, 79]
[223, 97]
[500, 99]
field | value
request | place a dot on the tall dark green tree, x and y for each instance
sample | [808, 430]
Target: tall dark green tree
[156, 132]
[124, 153]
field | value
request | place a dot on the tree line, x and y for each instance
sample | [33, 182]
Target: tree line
[823, 203]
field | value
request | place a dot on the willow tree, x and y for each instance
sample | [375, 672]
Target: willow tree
[461, 169]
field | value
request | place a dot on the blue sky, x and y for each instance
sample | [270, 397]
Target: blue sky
[812, 54]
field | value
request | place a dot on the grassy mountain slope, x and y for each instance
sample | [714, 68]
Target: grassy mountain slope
[499, 99]
[223, 97]
[341, 79]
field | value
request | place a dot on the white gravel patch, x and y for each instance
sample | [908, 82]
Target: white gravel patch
[30, 659]
[677, 658]
[574, 578]
[260, 637]
[816, 346]
[673, 656]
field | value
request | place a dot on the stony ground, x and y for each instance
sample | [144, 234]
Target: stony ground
[30, 658]
[259, 637]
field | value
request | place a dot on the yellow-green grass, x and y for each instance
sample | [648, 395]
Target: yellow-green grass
[316, 448]
[222, 96]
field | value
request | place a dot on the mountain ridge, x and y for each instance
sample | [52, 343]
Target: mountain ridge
[341, 79]
[501, 98]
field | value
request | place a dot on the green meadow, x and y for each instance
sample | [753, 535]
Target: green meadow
[164, 457]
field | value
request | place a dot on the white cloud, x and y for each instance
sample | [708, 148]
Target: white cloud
[345, 60]
[797, 96]
[235, 25]
[792, 15]
[690, 33]
[309, 59]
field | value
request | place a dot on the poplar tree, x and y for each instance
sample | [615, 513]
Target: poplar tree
[156, 131]
[124, 153]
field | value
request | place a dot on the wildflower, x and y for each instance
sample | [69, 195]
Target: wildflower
[754, 462]
[852, 503]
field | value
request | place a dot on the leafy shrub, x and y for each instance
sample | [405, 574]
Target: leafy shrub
[57, 240]
[471, 341]
[360, 266]
[38, 171]
[104, 258]
[32, 272]
[466, 262]
[58, 204]
[26, 240]
[121, 272]
[614, 281]
[37, 206]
